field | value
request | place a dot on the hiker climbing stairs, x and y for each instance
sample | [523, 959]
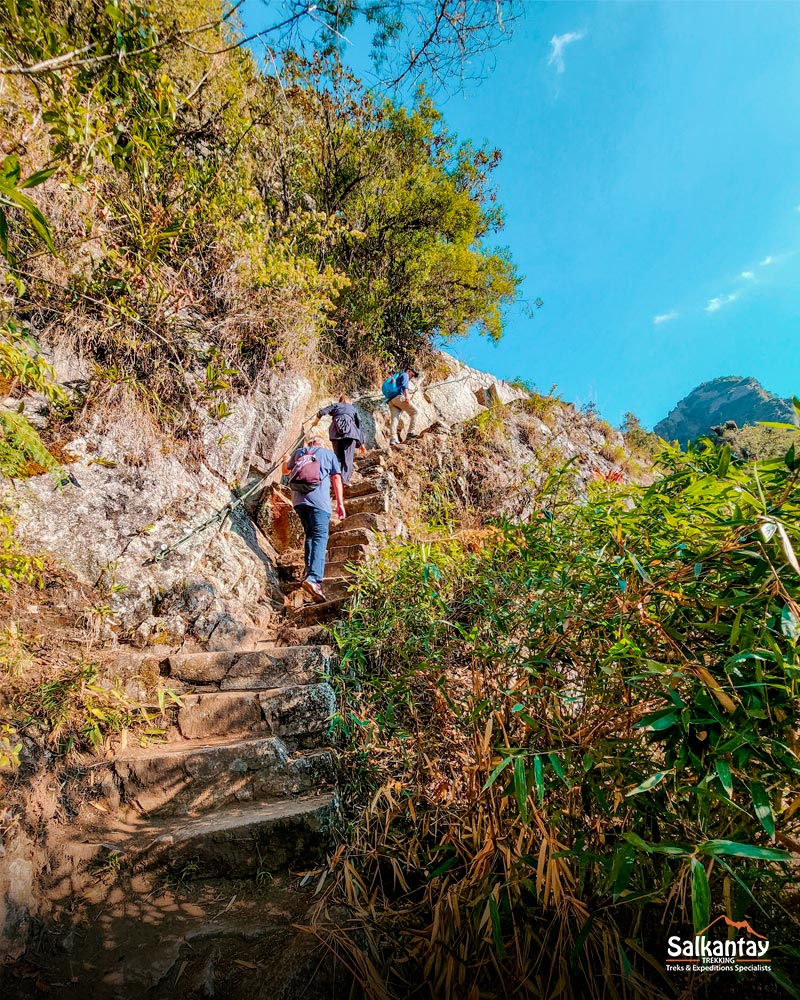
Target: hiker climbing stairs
[367, 503]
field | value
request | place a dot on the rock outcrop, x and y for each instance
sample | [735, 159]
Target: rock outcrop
[731, 398]
[128, 492]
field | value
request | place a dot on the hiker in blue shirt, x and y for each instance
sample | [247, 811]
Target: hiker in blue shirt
[345, 433]
[401, 403]
[312, 470]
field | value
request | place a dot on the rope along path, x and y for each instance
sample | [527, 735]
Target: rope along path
[221, 515]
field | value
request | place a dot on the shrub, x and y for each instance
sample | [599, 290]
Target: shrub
[581, 734]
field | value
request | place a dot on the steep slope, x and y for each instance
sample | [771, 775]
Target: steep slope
[209, 624]
[743, 400]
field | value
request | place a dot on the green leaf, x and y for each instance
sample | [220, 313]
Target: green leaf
[639, 568]
[556, 765]
[621, 871]
[38, 177]
[737, 850]
[784, 982]
[10, 170]
[663, 719]
[497, 933]
[725, 777]
[724, 461]
[648, 783]
[521, 787]
[10, 196]
[762, 806]
[790, 625]
[497, 772]
[701, 897]
[664, 847]
[538, 776]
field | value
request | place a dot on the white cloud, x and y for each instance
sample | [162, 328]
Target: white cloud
[748, 276]
[767, 261]
[557, 45]
[665, 317]
[715, 304]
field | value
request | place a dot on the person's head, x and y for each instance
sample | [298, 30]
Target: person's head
[315, 440]
[412, 372]
[345, 399]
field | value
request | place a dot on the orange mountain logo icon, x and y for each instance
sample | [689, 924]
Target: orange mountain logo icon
[741, 925]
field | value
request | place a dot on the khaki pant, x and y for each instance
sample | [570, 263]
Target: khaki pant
[397, 407]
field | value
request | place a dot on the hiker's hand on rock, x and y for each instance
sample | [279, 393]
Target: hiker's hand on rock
[362, 450]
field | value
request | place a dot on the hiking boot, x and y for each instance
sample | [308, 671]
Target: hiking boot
[313, 587]
[410, 437]
[395, 441]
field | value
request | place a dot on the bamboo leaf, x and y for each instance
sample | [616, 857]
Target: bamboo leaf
[737, 850]
[725, 777]
[648, 783]
[497, 932]
[538, 776]
[521, 787]
[701, 897]
[762, 807]
[497, 772]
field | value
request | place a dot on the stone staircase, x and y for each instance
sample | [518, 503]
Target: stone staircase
[244, 783]
[245, 780]
[239, 795]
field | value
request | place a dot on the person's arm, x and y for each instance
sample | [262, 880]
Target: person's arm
[361, 446]
[338, 493]
[288, 464]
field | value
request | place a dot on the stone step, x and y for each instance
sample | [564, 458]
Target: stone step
[349, 553]
[373, 503]
[366, 487]
[312, 614]
[194, 776]
[298, 714]
[337, 589]
[293, 573]
[366, 520]
[290, 635]
[262, 668]
[350, 536]
[235, 840]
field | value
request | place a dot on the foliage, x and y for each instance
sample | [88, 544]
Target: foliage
[754, 442]
[74, 709]
[15, 565]
[637, 437]
[417, 212]
[22, 369]
[581, 734]
[214, 211]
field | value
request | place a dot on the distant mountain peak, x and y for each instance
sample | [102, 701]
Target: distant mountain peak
[730, 397]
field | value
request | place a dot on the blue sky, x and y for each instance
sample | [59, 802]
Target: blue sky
[651, 182]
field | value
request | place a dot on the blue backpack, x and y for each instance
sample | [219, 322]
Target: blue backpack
[389, 387]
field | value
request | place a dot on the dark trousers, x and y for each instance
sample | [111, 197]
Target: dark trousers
[315, 525]
[345, 450]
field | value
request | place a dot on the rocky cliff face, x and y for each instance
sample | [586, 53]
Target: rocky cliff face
[130, 492]
[742, 400]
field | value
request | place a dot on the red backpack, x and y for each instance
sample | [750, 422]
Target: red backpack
[306, 475]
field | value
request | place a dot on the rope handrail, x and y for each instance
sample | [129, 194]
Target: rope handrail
[223, 513]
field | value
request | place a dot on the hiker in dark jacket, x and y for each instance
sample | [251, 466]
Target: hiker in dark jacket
[345, 433]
